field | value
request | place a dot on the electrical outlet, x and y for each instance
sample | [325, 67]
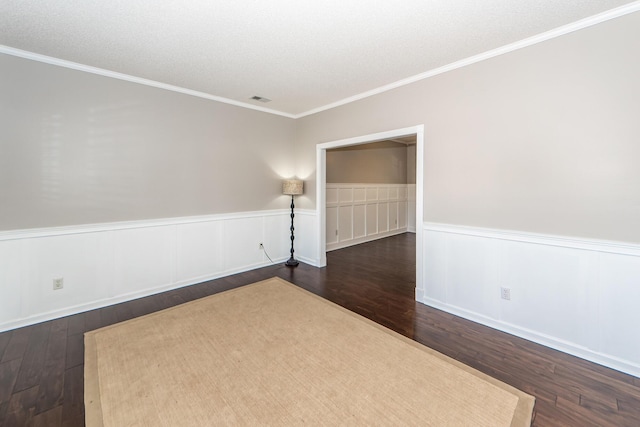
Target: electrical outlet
[505, 293]
[58, 284]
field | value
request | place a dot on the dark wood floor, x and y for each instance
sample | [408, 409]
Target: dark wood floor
[41, 366]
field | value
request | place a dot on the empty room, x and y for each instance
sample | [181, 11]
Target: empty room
[334, 213]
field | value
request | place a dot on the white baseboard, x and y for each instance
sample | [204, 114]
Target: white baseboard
[565, 292]
[104, 264]
[364, 239]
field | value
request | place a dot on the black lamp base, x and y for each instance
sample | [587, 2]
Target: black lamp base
[292, 262]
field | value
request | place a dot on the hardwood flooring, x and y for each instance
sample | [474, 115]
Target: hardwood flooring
[41, 366]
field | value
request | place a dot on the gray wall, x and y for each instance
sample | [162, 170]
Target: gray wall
[375, 163]
[544, 139]
[79, 148]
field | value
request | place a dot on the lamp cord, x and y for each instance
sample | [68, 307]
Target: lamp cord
[265, 252]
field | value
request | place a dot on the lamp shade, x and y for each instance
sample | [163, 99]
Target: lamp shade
[292, 187]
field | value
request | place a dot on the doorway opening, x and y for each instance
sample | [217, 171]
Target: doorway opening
[321, 178]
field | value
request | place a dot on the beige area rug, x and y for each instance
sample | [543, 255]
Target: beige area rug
[271, 353]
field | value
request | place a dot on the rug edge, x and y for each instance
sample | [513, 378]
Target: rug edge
[92, 402]
[523, 412]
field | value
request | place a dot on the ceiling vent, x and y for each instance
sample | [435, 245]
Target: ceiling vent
[260, 98]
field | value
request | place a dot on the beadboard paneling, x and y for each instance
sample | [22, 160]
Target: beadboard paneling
[579, 296]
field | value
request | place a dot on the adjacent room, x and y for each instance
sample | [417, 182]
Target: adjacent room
[464, 202]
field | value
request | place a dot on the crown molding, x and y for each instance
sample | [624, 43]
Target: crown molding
[126, 77]
[548, 35]
[557, 32]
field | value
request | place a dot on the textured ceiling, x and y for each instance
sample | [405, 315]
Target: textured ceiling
[303, 55]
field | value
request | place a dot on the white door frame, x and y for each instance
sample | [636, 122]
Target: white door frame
[321, 188]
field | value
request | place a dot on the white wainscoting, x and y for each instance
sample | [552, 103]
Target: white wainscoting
[575, 295]
[358, 213]
[105, 264]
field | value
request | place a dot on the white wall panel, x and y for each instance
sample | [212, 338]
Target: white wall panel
[345, 195]
[83, 261]
[393, 215]
[143, 259]
[198, 250]
[359, 221]
[383, 217]
[472, 282]
[576, 295]
[307, 238]
[549, 277]
[332, 195]
[372, 219]
[434, 268]
[360, 216]
[277, 235]
[11, 280]
[619, 306]
[403, 215]
[345, 223]
[332, 224]
[241, 238]
[393, 193]
[103, 264]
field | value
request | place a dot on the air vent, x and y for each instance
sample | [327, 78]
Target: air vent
[260, 98]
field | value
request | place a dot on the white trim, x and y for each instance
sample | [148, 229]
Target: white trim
[321, 178]
[80, 308]
[585, 288]
[548, 35]
[321, 203]
[419, 209]
[546, 340]
[365, 239]
[104, 276]
[129, 78]
[125, 225]
[620, 248]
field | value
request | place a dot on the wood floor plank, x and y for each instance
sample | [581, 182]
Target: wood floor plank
[124, 312]
[5, 337]
[17, 344]
[74, 354]
[76, 324]
[8, 376]
[52, 383]
[21, 407]
[93, 320]
[50, 418]
[3, 412]
[109, 315]
[73, 407]
[33, 359]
